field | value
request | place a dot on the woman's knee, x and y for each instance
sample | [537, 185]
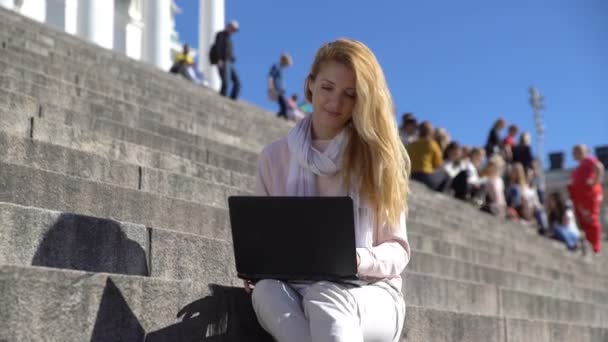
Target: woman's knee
[264, 290]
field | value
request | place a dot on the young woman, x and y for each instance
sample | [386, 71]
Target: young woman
[495, 202]
[561, 221]
[524, 200]
[586, 193]
[350, 146]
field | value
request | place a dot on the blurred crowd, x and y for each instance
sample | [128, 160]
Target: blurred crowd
[503, 178]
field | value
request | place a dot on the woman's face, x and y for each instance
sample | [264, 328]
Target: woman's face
[333, 99]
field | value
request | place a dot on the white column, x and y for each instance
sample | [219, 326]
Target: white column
[35, 9]
[71, 16]
[211, 20]
[128, 28]
[135, 38]
[55, 14]
[7, 3]
[157, 33]
[135, 30]
[96, 21]
[121, 18]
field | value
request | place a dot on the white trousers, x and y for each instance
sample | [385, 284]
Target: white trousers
[326, 311]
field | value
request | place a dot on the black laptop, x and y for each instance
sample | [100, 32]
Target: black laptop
[294, 238]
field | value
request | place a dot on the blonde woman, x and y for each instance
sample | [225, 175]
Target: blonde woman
[350, 146]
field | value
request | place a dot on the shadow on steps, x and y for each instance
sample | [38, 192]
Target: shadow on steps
[92, 244]
[224, 316]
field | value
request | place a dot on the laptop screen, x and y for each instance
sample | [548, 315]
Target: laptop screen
[307, 238]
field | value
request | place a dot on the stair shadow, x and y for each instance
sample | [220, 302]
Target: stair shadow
[225, 316]
[90, 244]
[115, 320]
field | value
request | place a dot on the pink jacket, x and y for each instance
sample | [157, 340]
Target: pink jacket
[390, 252]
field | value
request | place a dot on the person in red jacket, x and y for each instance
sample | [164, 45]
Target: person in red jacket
[586, 193]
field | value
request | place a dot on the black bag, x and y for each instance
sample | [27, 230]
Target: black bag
[214, 55]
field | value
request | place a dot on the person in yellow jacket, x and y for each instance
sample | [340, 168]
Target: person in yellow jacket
[426, 159]
[184, 65]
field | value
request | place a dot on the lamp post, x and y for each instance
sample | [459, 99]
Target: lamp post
[536, 101]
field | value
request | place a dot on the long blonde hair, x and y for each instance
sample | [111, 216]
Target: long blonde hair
[375, 160]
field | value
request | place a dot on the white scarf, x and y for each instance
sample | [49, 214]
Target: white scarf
[306, 162]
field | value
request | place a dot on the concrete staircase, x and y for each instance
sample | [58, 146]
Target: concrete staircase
[113, 220]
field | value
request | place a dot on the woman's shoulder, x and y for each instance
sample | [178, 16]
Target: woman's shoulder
[277, 149]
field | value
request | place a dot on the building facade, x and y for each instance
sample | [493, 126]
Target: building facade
[141, 29]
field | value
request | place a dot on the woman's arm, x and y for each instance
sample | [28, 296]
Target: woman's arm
[599, 172]
[390, 256]
[261, 186]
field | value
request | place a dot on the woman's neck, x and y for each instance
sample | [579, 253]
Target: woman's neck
[323, 133]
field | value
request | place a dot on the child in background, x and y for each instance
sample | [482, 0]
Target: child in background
[562, 222]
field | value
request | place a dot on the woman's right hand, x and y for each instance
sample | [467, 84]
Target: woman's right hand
[247, 285]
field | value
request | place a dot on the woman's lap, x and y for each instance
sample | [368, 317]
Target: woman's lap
[283, 309]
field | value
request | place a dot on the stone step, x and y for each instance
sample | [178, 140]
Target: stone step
[507, 261]
[521, 238]
[438, 265]
[61, 47]
[422, 324]
[116, 65]
[49, 190]
[114, 307]
[540, 254]
[144, 137]
[176, 155]
[231, 123]
[209, 124]
[38, 155]
[41, 304]
[106, 147]
[40, 237]
[445, 212]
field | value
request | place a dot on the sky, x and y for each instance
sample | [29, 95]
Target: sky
[459, 64]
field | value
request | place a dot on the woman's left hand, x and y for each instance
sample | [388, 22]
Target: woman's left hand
[247, 285]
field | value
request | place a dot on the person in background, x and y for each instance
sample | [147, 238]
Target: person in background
[509, 142]
[535, 181]
[276, 89]
[495, 202]
[523, 199]
[349, 145]
[293, 109]
[443, 138]
[184, 65]
[408, 131]
[427, 158]
[585, 190]
[468, 185]
[453, 163]
[226, 60]
[522, 153]
[562, 224]
[494, 144]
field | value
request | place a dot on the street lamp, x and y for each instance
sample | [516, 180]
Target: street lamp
[536, 101]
